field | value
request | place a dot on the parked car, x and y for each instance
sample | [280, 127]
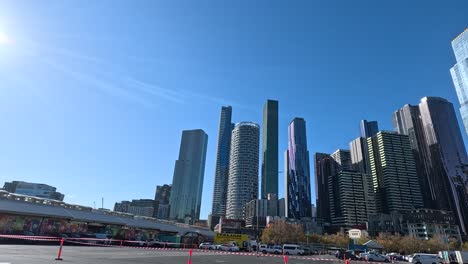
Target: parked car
[227, 247]
[207, 246]
[307, 251]
[346, 255]
[421, 258]
[263, 248]
[154, 243]
[377, 257]
[275, 250]
[292, 250]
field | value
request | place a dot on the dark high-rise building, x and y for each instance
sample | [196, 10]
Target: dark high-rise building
[447, 157]
[368, 128]
[394, 177]
[459, 73]
[344, 197]
[243, 168]
[163, 194]
[342, 159]
[352, 199]
[297, 172]
[270, 149]
[189, 171]
[407, 121]
[222, 162]
[324, 169]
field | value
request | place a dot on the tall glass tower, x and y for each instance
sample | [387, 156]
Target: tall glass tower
[189, 171]
[243, 168]
[222, 162]
[368, 128]
[459, 73]
[446, 156]
[270, 149]
[297, 172]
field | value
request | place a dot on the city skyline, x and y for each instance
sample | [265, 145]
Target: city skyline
[103, 104]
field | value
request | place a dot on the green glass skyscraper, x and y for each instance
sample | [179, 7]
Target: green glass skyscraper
[270, 149]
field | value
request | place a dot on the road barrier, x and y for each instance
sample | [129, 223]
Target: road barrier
[137, 244]
[59, 255]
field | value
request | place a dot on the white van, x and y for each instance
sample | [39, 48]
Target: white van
[420, 258]
[292, 250]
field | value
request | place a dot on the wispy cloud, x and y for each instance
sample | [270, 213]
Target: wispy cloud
[108, 86]
[116, 82]
[180, 96]
[157, 91]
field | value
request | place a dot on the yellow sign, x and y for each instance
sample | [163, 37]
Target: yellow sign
[222, 238]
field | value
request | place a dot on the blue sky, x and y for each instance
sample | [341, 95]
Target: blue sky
[94, 94]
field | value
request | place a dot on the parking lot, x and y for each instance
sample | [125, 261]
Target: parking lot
[33, 254]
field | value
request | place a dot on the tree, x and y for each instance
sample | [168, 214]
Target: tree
[282, 232]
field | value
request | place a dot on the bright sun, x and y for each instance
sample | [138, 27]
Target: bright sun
[4, 39]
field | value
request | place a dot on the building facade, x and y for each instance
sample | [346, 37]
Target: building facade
[324, 169]
[459, 73]
[352, 198]
[368, 128]
[359, 155]
[269, 167]
[142, 207]
[163, 193]
[33, 189]
[261, 209]
[243, 168]
[394, 179]
[407, 121]
[189, 171]
[423, 224]
[342, 158]
[297, 172]
[447, 157]
[222, 162]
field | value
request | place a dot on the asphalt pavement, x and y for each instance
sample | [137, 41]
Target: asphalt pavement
[32, 254]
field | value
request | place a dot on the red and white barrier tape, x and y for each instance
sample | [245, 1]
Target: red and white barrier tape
[107, 243]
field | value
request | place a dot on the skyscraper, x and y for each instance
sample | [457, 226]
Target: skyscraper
[447, 157]
[394, 177]
[243, 168]
[297, 174]
[344, 197]
[407, 121]
[359, 155]
[324, 169]
[459, 73]
[270, 149]
[368, 128]
[222, 162]
[189, 171]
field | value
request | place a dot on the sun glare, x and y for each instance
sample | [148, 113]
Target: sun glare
[4, 39]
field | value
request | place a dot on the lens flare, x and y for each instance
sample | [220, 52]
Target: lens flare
[4, 39]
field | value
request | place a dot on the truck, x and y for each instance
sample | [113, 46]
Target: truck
[240, 240]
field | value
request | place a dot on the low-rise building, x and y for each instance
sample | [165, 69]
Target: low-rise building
[33, 189]
[423, 224]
